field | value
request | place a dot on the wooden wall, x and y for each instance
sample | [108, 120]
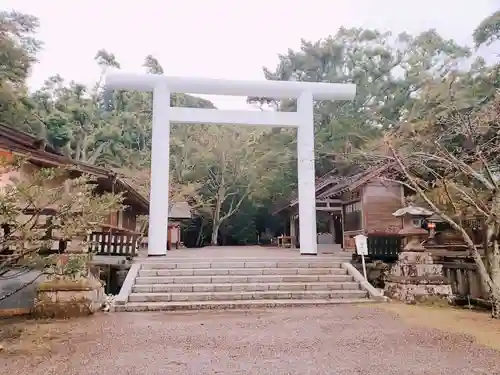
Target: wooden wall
[380, 200]
[113, 219]
[126, 219]
[129, 219]
[351, 201]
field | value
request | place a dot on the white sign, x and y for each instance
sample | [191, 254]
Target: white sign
[362, 249]
[361, 244]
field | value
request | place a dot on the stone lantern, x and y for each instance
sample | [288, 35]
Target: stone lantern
[412, 218]
[414, 277]
[431, 225]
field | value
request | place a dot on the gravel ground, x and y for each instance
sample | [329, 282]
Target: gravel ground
[320, 340]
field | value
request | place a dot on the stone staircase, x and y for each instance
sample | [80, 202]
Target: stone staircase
[186, 284]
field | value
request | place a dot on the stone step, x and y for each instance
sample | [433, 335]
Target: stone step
[240, 271]
[245, 287]
[239, 279]
[241, 304]
[188, 264]
[230, 296]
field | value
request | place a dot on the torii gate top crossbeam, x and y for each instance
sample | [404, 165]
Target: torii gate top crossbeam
[216, 86]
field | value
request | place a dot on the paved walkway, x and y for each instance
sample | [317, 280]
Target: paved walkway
[346, 340]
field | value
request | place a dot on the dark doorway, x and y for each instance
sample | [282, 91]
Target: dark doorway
[337, 226]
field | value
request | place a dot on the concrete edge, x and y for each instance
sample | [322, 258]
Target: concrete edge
[365, 285]
[128, 284]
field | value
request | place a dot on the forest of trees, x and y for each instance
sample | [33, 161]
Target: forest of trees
[233, 175]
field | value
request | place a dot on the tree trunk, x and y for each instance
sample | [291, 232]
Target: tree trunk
[200, 238]
[492, 255]
[495, 293]
[490, 275]
[495, 307]
[216, 217]
[78, 148]
[215, 234]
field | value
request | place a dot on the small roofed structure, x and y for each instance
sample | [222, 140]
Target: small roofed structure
[414, 211]
[180, 211]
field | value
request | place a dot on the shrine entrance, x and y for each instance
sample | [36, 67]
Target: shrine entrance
[163, 115]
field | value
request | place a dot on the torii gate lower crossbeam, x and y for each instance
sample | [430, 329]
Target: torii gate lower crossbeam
[164, 115]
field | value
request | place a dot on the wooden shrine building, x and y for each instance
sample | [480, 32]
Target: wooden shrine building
[360, 203]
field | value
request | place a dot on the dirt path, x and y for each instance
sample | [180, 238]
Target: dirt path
[334, 340]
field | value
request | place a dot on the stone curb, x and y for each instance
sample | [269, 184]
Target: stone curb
[128, 284]
[365, 285]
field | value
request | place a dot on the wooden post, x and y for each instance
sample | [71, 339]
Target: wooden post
[169, 237]
[331, 223]
[292, 232]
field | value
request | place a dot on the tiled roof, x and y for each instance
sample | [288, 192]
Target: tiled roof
[22, 143]
[336, 184]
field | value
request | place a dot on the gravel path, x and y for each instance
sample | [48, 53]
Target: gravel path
[346, 340]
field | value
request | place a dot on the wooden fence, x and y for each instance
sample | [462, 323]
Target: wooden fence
[99, 243]
[108, 243]
[109, 240]
[464, 279]
[460, 270]
[384, 247]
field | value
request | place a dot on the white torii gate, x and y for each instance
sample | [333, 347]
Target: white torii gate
[164, 115]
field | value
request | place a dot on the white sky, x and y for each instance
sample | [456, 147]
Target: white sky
[219, 38]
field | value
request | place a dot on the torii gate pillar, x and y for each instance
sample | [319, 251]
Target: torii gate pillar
[164, 115]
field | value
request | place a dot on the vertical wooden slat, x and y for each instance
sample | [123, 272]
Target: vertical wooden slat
[127, 244]
[107, 244]
[109, 239]
[116, 241]
[113, 243]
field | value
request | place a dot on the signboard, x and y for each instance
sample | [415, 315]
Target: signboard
[361, 244]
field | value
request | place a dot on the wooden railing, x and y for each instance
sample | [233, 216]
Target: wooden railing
[461, 271]
[465, 280]
[110, 240]
[117, 244]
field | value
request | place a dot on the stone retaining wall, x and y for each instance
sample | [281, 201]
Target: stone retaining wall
[65, 299]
